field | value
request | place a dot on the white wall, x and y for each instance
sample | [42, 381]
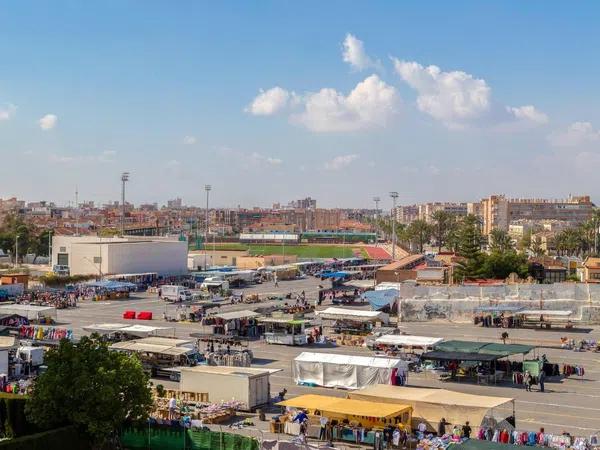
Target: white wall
[165, 258]
[118, 255]
[220, 387]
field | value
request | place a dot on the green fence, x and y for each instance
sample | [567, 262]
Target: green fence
[172, 439]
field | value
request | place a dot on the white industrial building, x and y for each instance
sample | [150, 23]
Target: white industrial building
[93, 255]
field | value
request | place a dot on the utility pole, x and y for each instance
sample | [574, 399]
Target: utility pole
[124, 179]
[207, 188]
[394, 196]
[50, 248]
[376, 200]
[76, 211]
[17, 250]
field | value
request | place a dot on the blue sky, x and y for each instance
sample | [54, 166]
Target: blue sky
[270, 101]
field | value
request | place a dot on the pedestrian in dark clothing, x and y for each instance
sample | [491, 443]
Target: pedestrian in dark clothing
[466, 429]
[541, 380]
[442, 427]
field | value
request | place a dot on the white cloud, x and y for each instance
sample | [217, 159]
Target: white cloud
[458, 99]
[48, 122]
[269, 102]
[576, 134]
[369, 105]
[7, 111]
[189, 140]
[254, 159]
[106, 156]
[262, 160]
[528, 113]
[450, 97]
[340, 162]
[353, 52]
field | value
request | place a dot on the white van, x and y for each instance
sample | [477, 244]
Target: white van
[173, 293]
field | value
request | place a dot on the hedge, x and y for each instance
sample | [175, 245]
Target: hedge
[58, 439]
[13, 422]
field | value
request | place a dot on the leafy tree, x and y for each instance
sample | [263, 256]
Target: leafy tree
[419, 232]
[500, 265]
[500, 241]
[443, 224]
[525, 241]
[92, 388]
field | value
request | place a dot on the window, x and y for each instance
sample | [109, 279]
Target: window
[97, 259]
[62, 259]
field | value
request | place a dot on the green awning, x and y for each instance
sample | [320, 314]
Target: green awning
[460, 346]
[506, 349]
[483, 348]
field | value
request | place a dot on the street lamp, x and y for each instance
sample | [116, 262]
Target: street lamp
[17, 250]
[394, 196]
[376, 200]
[50, 248]
[207, 188]
[124, 179]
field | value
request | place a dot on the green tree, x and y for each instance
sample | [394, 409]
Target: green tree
[536, 246]
[525, 241]
[91, 387]
[500, 241]
[443, 224]
[500, 265]
[419, 232]
[469, 240]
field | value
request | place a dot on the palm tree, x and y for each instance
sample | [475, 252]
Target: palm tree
[443, 222]
[500, 241]
[419, 232]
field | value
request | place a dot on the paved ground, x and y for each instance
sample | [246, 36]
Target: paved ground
[569, 404]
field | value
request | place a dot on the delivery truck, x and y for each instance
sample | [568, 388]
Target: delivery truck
[173, 293]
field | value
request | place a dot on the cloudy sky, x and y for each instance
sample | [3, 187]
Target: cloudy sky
[341, 101]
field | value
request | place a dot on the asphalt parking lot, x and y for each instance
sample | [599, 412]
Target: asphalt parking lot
[571, 404]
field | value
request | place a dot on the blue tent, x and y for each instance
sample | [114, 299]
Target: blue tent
[382, 298]
[339, 274]
[112, 285]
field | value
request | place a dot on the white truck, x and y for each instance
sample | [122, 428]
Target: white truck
[173, 293]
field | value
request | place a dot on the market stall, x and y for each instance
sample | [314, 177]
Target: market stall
[365, 414]
[224, 350]
[505, 316]
[404, 346]
[35, 314]
[347, 371]
[431, 405]
[457, 360]
[546, 318]
[110, 289]
[235, 323]
[159, 354]
[285, 329]
[247, 385]
[122, 332]
[350, 326]
[382, 299]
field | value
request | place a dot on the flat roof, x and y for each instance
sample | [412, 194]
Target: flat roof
[230, 370]
[135, 346]
[408, 341]
[236, 315]
[351, 407]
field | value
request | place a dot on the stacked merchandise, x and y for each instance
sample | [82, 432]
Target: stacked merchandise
[237, 359]
[39, 333]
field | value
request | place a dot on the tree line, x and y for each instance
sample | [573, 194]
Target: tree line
[503, 256]
[31, 238]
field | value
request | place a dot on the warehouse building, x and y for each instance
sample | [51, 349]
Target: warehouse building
[93, 255]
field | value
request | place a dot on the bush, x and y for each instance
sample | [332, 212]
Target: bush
[58, 439]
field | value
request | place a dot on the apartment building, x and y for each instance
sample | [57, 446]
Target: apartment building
[407, 214]
[426, 210]
[497, 211]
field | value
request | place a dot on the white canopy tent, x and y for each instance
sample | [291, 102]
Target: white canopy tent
[356, 315]
[32, 312]
[134, 330]
[345, 371]
[401, 340]
[244, 314]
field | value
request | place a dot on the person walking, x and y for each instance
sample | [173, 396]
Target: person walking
[528, 380]
[541, 380]
[322, 432]
[442, 427]
[466, 430]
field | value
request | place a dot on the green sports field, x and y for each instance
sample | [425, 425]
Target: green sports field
[301, 251]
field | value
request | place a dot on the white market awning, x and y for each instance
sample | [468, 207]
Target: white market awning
[244, 314]
[546, 312]
[408, 341]
[351, 360]
[358, 315]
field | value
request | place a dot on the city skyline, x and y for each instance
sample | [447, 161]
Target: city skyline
[342, 106]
